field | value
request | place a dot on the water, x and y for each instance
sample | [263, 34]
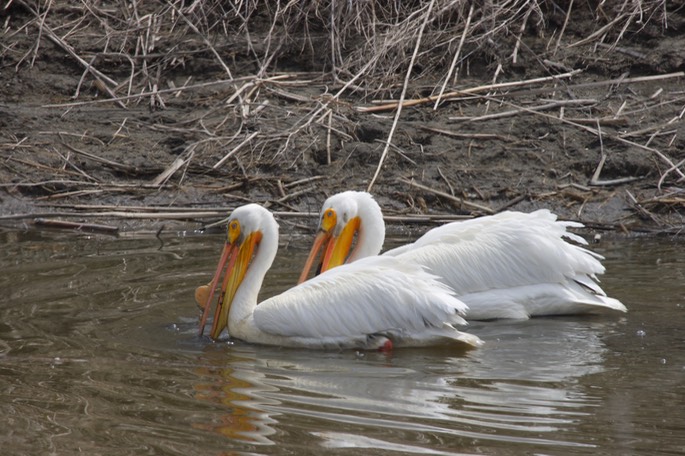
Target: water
[98, 355]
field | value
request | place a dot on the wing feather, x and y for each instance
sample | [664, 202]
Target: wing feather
[371, 295]
[510, 249]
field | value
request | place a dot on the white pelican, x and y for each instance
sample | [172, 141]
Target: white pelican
[375, 303]
[509, 265]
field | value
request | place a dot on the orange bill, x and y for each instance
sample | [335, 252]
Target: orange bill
[338, 253]
[322, 239]
[206, 292]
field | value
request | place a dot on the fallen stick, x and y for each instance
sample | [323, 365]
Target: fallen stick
[104, 161]
[54, 196]
[626, 51]
[78, 226]
[455, 59]
[599, 32]
[303, 181]
[454, 199]
[470, 91]
[405, 86]
[668, 171]
[517, 111]
[117, 214]
[474, 91]
[230, 81]
[177, 164]
[512, 202]
[427, 218]
[456, 134]
[113, 207]
[606, 121]
[129, 212]
[563, 28]
[235, 149]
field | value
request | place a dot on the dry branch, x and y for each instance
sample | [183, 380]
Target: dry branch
[77, 226]
[457, 134]
[404, 92]
[271, 121]
[469, 91]
[543, 107]
[454, 199]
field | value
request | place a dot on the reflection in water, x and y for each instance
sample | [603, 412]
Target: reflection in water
[241, 391]
[98, 354]
[345, 440]
[515, 390]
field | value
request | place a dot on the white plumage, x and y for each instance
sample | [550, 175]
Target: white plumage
[362, 305]
[509, 265]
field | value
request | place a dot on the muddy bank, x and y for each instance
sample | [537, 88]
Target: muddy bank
[589, 126]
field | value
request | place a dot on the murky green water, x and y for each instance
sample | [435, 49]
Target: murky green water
[98, 355]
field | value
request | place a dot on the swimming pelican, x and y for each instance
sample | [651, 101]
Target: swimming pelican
[367, 305]
[509, 265]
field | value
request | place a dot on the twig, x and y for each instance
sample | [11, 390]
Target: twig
[201, 85]
[203, 38]
[522, 28]
[471, 91]
[512, 202]
[63, 182]
[563, 27]
[281, 189]
[668, 171]
[171, 169]
[113, 164]
[454, 199]
[449, 185]
[606, 121]
[328, 137]
[112, 207]
[95, 210]
[120, 214]
[235, 149]
[91, 227]
[599, 32]
[641, 210]
[514, 112]
[410, 68]
[304, 181]
[608, 82]
[598, 170]
[41, 18]
[626, 51]
[396, 149]
[158, 235]
[456, 134]
[646, 130]
[456, 57]
[594, 181]
[295, 194]
[55, 196]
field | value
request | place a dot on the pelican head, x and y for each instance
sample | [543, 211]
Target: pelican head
[246, 227]
[345, 217]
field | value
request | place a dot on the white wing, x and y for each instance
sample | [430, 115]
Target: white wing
[514, 264]
[369, 296]
[502, 251]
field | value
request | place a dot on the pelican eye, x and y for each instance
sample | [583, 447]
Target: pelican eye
[233, 230]
[329, 220]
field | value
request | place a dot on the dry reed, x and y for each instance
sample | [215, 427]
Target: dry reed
[279, 81]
